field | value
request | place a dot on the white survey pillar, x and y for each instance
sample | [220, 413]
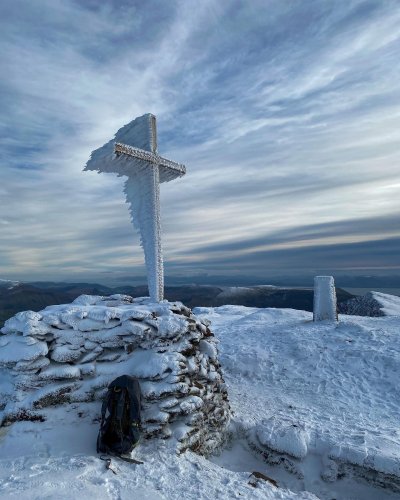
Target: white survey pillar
[325, 305]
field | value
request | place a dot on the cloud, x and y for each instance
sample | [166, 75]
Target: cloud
[377, 257]
[286, 114]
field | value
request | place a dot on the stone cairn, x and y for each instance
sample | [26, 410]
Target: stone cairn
[70, 353]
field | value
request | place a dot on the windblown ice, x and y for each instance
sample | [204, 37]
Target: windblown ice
[142, 188]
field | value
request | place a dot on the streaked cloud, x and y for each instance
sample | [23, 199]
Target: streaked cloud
[287, 115]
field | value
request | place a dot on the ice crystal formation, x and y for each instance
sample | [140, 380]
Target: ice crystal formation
[133, 153]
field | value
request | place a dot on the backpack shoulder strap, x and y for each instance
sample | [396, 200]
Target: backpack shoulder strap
[104, 406]
[120, 405]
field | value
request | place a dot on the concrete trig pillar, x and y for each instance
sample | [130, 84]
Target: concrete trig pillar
[325, 305]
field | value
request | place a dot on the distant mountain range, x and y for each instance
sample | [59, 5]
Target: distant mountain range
[8, 283]
[15, 297]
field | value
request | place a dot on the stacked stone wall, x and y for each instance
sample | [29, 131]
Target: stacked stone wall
[70, 353]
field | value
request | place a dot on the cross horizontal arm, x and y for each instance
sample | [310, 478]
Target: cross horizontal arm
[141, 154]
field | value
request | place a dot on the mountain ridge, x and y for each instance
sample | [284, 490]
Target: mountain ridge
[38, 295]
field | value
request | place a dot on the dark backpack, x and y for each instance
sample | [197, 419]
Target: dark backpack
[120, 430]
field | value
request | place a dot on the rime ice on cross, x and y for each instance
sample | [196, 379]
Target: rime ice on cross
[133, 153]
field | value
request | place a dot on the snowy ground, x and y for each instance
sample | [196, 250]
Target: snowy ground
[313, 398]
[318, 391]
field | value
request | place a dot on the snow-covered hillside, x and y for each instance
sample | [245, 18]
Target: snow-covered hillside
[372, 304]
[309, 400]
[8, 284]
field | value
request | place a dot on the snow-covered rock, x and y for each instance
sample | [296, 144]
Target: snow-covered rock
[372, 304]
[70, 353]
[284, 436]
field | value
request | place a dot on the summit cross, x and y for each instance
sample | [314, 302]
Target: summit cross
[133, 153]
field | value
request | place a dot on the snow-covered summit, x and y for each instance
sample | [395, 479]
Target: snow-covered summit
[315, 410]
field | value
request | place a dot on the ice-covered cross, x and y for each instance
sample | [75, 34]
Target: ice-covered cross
[133, 153]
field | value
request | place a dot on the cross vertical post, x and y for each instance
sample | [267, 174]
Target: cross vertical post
[155, 269]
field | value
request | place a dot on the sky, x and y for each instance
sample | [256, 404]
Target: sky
[286, 114]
